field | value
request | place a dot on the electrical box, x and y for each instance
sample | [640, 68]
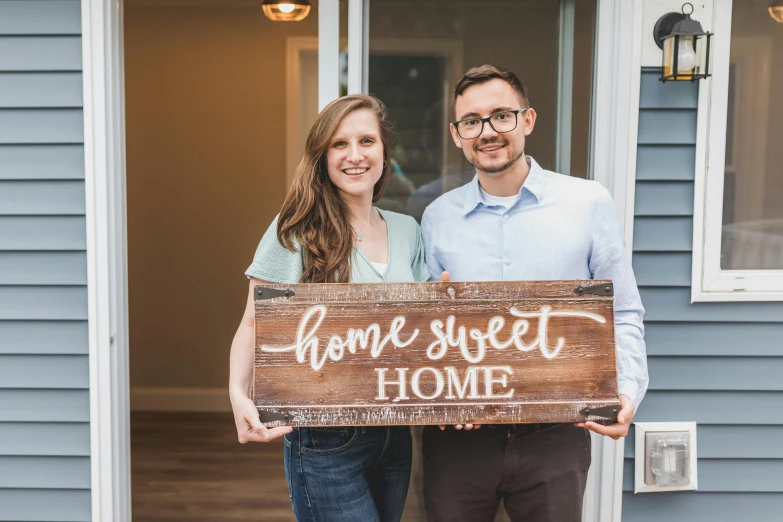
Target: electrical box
[665, 456]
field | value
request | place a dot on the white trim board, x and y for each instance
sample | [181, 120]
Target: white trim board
[565, 86]
[358, 46]
[104, 146]
[615, 112]
[614, 121]
[144, 398]
[329, 52]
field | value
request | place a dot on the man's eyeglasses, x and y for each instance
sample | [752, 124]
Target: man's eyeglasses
[471, 128]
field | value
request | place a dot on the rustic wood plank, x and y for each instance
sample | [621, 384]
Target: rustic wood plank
[489, 290]
[433, 353]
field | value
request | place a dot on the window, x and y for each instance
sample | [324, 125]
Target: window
[738, 217]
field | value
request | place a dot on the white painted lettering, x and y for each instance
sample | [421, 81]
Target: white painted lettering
[543, 321]
[452, 377]
[452, 335]
[383, 383]
[489, 380]
[362, 337]
[436, 326]
[335, 347]
[438, 383]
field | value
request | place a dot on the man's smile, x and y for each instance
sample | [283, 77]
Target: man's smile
[491, 147]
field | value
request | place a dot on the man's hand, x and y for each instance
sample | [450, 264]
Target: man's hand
[617, 430]
[445, 278]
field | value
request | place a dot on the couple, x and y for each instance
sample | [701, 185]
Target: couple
[513, 221]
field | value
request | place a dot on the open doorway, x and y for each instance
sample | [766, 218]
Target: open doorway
[205, 136]
[218, 102]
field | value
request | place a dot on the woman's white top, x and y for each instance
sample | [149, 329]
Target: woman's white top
[380, 267]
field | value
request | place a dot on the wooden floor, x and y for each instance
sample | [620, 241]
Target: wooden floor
[190, 467]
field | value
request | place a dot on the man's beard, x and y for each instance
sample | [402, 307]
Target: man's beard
[499, 168]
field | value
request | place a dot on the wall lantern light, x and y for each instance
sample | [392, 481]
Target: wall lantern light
[776, 11]
[686, 47]
[282, 11]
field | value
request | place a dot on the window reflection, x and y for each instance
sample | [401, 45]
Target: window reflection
[418, 51]
[752, 235]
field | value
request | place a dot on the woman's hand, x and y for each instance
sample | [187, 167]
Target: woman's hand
[249, 427]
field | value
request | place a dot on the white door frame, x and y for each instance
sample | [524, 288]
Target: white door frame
[104, 177]
[613, 146]
[615, 122]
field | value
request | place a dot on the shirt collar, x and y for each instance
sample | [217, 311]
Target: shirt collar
[535, 184]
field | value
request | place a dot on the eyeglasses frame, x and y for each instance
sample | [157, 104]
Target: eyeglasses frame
[515, 112]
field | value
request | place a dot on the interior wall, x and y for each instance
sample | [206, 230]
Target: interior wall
[205, 134]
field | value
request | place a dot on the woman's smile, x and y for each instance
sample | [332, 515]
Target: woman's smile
[355, 171]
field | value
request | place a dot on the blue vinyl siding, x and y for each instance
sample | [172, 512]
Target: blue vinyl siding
[40, 53]
[44, 367]
[42, 162]
[52, 198]
[29, 438]
[718, 364]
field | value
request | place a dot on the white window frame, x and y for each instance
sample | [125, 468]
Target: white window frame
[710, 282]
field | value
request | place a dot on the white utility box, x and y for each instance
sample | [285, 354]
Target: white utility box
[665, 457]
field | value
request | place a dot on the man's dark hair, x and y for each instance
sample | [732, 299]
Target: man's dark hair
[483, 74]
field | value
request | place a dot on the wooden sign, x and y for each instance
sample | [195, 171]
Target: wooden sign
[435, 353]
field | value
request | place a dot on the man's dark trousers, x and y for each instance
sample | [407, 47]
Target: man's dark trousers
[538, 470]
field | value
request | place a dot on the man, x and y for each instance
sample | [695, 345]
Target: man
[517, 221]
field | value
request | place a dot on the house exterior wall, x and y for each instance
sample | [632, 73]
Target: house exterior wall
[718, 364]
[44, 377]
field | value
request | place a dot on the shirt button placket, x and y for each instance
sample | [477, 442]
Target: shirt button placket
[506, 258]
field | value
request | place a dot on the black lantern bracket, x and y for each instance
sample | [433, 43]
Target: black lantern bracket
[665, 24]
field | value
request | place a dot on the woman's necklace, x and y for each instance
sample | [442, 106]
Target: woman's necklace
[358, 230]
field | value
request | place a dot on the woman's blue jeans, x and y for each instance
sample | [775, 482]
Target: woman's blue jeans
[348, 474]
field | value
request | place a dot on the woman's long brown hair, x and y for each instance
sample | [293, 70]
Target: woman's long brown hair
[313, 215]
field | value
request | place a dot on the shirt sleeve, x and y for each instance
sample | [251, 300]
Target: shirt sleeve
[419, 266]
[609, 260]
[427, 232]
[273, 262]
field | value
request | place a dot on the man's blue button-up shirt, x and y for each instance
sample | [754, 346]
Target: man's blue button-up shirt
[559, 228]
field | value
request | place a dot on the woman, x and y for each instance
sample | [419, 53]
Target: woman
[329, 231]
